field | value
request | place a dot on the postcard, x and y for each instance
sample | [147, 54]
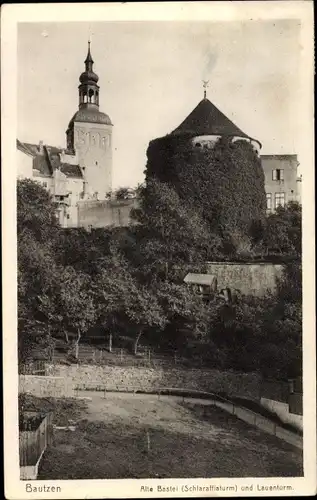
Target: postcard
[158, 250]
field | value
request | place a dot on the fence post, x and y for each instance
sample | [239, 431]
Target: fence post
[148, 442]
[121, 355]
[149, 356]
[94, 355]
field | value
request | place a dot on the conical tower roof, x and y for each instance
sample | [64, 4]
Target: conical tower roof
[207, 119]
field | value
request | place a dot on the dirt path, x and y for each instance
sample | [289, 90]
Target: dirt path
[186, 440]
[147, 411]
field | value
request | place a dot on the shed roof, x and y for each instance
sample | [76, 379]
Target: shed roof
[200, 279]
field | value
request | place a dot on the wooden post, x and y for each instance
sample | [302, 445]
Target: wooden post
[100, 355]
[149, 356]
[121, 355]
[110, 342]
[94, 355]
[148, 442]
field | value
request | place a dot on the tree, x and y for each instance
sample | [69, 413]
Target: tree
[82, 249]
[38, 282]
[187, 315]
[170, 237]
[36, 212]
[123, 302]
[77, 306]
[283, 232]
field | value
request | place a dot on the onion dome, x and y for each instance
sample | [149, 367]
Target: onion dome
[88, 77]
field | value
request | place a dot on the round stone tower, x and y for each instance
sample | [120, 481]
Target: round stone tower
[89, 135]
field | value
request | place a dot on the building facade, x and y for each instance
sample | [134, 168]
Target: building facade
[79, 177]
[82, 172]
[282, 183]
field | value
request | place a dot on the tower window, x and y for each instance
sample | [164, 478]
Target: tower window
[278, 174]
[91, 95]
[279, 200]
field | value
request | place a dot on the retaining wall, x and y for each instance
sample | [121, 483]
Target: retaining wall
[43, 386]
[115, 378]
[249, 278]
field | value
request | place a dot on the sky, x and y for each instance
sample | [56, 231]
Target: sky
[150, 77]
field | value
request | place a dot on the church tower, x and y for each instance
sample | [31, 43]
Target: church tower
[89, 135]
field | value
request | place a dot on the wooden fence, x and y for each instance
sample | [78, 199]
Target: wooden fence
[32, 443]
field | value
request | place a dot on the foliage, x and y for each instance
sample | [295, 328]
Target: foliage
[76, 302]
[170, 238]
[131, 280]
[38, 278]
[121, 301]
[263, 334]
[82, 249]
[123, 193]
[36, 212]
[283, 230]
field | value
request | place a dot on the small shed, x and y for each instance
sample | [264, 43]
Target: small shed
[203, 283]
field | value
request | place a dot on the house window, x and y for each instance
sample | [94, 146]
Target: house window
[269, 202]
[278, 174]
[279, 200]
[45, 184]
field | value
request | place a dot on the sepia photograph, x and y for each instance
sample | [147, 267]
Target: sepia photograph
[159, 174]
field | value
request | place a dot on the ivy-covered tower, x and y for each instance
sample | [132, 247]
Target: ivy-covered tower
[89, 134]
[215, 168]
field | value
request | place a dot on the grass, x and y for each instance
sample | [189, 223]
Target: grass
[186, 440]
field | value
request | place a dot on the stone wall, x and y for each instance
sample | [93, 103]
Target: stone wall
[42, 386]
[114, 378]
[249, 278]
[102, 213]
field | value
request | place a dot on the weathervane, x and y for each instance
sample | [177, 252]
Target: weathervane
[205, 86]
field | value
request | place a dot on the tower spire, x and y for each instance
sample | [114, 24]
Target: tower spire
[89, 60]
[88, 88]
